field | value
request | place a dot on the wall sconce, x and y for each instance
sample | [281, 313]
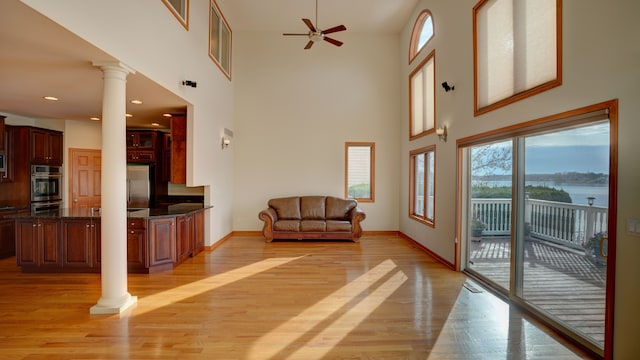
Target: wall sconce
[226, 138]
[448, 87]
[225, 142]
[442, 133]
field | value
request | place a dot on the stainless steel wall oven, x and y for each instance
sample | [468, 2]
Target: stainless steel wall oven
[46, 183]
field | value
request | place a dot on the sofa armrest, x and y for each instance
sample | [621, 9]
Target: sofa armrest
[356, 216]
[269, 217]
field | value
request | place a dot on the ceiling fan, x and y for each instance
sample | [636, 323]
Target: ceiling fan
[316, 34]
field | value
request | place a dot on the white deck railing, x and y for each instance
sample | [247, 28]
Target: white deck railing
[558, 222]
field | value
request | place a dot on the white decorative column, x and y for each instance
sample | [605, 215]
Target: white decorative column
[115, 297]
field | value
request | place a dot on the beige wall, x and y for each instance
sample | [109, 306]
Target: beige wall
[601, 57]
[294, 111]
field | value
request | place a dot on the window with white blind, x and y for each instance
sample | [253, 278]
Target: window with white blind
[422, 97]
[517, 50]
[422, 185]
[219, 39]
[360, 165]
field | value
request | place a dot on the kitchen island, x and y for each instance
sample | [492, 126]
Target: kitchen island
[68, 240]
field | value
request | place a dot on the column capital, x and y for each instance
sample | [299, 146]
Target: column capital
[114, 65]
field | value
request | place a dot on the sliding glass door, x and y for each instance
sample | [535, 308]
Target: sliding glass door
[489, 227]
[565, 210]
[536, 219]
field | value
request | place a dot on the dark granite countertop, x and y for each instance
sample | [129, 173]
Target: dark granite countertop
[161, 211]
[7, 208]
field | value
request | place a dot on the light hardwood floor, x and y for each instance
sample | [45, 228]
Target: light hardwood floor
[380, 299]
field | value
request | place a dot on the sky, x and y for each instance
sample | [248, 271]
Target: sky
[583, 149]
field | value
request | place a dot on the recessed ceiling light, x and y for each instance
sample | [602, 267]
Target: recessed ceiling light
[128, 115]
[51, 98]
[166, 115]
[95, 118]
[155, 124]
[137, 102]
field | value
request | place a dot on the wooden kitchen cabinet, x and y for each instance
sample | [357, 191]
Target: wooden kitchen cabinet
[81, 243]
[178, 161]
[198, 222]
[165, 168]
[7, 236]
[2, 139]
[142, 156]
[142, 140]
[46, 147]
[136, 245]
[142, 146]
[7, 135]
[38, 244]
[185, 237]
[162, 243]
[73, 244]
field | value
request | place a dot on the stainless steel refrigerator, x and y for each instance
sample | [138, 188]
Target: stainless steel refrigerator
[138, 186]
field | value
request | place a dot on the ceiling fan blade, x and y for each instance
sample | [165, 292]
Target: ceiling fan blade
[333, 41]
[309, 45]
[295, 34]
[309, 24]
[335, 29]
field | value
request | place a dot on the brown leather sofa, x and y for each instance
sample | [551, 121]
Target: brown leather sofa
[312, 217]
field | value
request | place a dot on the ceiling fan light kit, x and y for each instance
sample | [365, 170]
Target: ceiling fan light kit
[315, 34]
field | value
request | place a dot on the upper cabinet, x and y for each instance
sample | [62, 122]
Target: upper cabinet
[46, 147]
[142, 140]
[142, 146]
[179, 149]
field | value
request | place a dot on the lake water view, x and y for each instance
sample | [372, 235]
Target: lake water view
[579, 193]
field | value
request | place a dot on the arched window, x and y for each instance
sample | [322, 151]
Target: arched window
[421, 34]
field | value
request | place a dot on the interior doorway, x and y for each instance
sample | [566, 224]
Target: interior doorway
[85, 171]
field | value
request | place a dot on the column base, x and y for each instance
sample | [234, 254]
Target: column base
[113, 307]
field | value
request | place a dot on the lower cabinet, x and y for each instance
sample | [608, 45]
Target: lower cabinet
[162, 243]
[7, 238]
[39, 246]
[136, 245]
[198, 218]
[185, 237]
[74, 244]
[81, 244]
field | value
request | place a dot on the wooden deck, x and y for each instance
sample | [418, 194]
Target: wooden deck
[557, 280]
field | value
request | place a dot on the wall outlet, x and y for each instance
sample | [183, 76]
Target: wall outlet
[633, 226]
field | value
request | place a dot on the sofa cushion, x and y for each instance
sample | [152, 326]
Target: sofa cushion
[312, 207]
[287, 208]
[287, 225]
[338, 209]
[338, 225]
[313, 225]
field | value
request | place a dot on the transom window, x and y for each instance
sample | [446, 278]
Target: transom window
[422, 96]
[517, 50]
[422, 185]
[180, 9]
[421, 34]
